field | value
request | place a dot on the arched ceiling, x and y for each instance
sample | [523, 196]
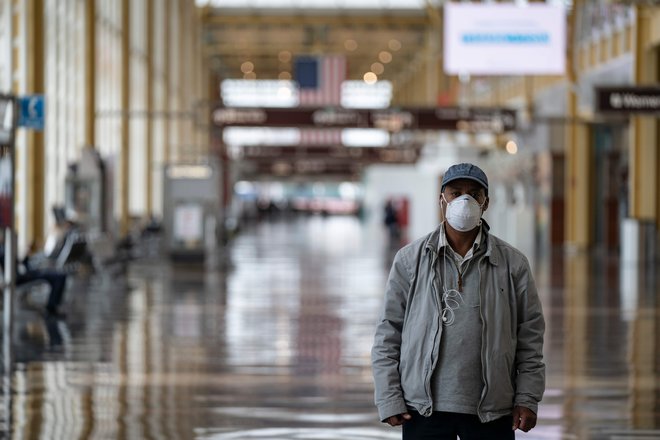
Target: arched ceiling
[264, 37]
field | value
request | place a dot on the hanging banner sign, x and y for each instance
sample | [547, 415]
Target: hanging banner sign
[31, 112]
[642, 99]
[504, 39]
[470, 119]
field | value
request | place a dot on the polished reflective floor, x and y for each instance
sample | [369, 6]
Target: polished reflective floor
[271, 340]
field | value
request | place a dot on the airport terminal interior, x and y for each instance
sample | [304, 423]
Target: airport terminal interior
[201, 200]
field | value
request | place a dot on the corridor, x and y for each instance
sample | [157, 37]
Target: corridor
[271, 340]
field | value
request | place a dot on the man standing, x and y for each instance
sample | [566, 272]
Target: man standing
[458, 350]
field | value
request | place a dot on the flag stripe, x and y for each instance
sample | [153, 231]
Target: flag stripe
[312, 137]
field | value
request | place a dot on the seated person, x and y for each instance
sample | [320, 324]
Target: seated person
[56, 280]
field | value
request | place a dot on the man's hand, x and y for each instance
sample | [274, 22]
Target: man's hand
[523, 418]
[399, 419]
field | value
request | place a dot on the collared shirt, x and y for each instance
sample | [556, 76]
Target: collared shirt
[458, 258]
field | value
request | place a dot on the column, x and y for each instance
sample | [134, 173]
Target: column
[124, 156]
[148, 175]
[90, 72]
[645, 210]
[34, 159]
[579, 165]
[644, 160]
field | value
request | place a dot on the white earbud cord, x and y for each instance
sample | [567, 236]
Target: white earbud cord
[451, 298]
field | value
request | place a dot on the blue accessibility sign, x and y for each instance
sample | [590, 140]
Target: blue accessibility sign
[31, 112]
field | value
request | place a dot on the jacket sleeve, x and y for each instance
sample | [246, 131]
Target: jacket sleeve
[530, 379]
[386, 350]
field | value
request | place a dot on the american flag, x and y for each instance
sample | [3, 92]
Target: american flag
[331, 71]
[324, 90]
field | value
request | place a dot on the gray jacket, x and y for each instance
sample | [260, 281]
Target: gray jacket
[407, 340]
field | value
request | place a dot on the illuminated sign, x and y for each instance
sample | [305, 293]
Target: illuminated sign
[393, 121]
[470, 119]
[259, 93]
[286, 94]
[359, 94]
[628, 99]
[234, 116]
[335, 117]
[504, 39]
[189, 172]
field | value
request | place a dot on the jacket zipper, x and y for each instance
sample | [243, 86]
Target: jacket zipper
[436, 342]
[483, 341]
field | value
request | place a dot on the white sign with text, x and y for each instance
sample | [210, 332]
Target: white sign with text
[504, 39]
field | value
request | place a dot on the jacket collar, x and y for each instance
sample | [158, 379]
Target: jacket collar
[434, 238]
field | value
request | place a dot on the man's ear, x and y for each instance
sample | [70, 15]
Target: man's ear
[486, 204]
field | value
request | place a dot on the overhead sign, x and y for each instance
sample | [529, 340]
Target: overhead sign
[644, 99]
[403, 154]
[472, 119]
[345, 163]
[31, 112]
[504, 39]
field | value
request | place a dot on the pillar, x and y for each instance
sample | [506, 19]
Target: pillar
[35, 84]
[148, 183]
[644, 158]
[579, 163]
[90, 73]
[124, 156]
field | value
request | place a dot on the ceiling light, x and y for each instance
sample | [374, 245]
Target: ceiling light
[394, 45]
[350, 45]
[377, 68]
[284, 76]
[370, 78]
[284, 56]
[511, 147]
[385, 57]
[247, 67]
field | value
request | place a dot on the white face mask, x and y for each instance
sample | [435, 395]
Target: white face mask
[463, 213]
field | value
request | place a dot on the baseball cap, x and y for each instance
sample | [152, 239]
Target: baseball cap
[465, 171]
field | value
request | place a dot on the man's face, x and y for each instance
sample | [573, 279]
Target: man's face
[458, 187]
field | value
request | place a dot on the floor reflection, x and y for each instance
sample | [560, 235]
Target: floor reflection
[275, 345]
